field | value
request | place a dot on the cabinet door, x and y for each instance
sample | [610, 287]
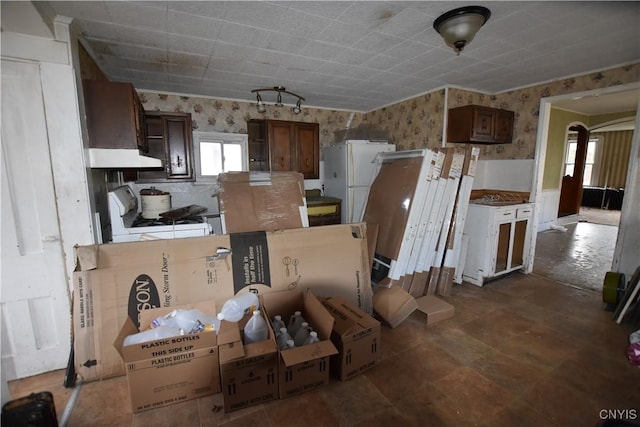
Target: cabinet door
[113, 115]
[280, 145]
[504, 126]
[178, 147]
[170, 139]
[308, 149]
[519, 239]
[483, 124]
[258, 145]
[502, 251]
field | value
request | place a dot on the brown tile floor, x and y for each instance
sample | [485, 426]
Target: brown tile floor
[521, 351]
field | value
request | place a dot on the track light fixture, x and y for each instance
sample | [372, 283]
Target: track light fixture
[459, 26]
[261, 106]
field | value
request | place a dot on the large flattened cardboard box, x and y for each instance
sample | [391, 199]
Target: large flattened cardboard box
[306, 367]
[256, 201]
[118, 280]
[169, 370]
[248, 372]
[356, 335]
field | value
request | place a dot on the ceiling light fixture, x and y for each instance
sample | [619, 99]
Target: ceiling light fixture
[261, 107]
[459, 26]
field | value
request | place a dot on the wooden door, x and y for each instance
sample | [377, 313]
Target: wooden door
[35, 304]
[571, 190]
[280, 145]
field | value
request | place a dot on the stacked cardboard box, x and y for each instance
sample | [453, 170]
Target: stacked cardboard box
[169, 370]
[261, 201]
[119, 280]
[356, 335]
[306, 367]
[248, 372]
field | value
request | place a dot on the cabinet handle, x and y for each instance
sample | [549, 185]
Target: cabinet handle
[179, 162]
[282, 162]
[307, 162]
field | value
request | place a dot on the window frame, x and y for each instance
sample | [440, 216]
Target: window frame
[595, 165]
[223, 138]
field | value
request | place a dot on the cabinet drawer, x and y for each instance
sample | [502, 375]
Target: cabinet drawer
[524, 212]
[506, 215]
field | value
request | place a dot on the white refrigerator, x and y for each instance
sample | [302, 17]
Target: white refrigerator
[348, 169]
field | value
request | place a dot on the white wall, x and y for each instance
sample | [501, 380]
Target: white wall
[514, 175]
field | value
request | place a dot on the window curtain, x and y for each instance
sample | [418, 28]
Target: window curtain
[614, 159]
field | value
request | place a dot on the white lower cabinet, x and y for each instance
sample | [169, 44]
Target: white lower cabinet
[498, 240]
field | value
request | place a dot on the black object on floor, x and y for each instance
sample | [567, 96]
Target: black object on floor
[35, 410]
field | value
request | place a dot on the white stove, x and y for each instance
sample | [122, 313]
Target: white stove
[127, 225]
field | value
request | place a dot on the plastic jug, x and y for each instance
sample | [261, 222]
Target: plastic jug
[295, 321]
[256, 329]
[283, 338]
[235, 308]
[302, 334]
[313, 337]
[152, 335]
[191, 321]
[277, 324]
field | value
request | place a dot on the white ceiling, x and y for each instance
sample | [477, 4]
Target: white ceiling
[349, 55]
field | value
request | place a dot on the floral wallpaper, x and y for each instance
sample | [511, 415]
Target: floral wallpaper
[419, 122]
[526, 104]
[414, 123]
[218, 115]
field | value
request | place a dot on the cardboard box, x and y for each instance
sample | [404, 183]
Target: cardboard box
[393, 304]
[435, 309]
[170, 370]
[118, 280]
[257, 201]
[248, 373]
[356, 335]
[307, 367]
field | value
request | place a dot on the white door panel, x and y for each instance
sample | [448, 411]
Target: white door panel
[34, 297]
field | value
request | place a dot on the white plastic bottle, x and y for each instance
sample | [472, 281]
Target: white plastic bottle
[152, 335]
[235, 308]
[283, 338]
[256, 329]
[191, 321]
[277, 324]
[313, 337]
[295, 321]
[302, 334]
[290, 344]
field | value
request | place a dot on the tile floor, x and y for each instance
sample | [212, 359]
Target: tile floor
[523, 350]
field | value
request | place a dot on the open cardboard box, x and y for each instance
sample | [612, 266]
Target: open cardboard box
[118, 280]
[356, 335]
[170, 370]
[248, 372]
[307, 367]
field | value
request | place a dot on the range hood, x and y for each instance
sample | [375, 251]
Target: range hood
[121, 158]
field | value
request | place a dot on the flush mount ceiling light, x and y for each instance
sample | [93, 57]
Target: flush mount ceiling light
[458, 26]
[261, 107]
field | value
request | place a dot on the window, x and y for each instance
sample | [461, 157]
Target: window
[570, 160]
[219, 152]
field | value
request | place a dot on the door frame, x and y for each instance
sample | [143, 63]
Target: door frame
[633, 184]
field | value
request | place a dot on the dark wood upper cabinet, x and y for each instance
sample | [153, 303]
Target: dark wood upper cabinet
[277, 145]
[115, 116]
[169, 138]
[480, 125]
